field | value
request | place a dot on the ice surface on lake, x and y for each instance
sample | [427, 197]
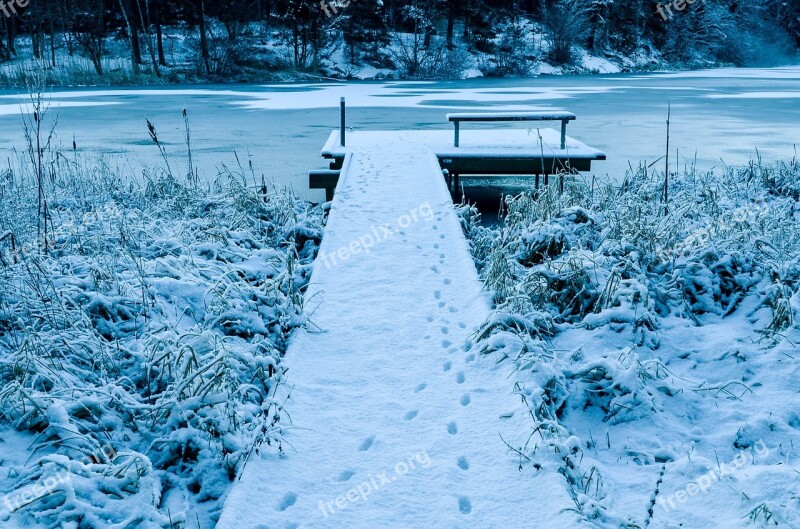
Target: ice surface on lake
[280, 128]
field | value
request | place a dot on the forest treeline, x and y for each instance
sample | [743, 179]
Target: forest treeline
[419, 37]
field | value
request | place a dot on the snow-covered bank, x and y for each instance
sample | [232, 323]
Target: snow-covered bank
[140, 354]
[656, 350]
[518, 50]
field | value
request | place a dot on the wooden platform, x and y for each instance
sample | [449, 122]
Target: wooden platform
[495, 152]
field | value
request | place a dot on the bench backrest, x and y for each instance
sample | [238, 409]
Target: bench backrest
[511, 116]
[494, 117]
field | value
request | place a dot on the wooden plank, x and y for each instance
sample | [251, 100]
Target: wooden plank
[510, 116]
[512, 166]
[322, 179]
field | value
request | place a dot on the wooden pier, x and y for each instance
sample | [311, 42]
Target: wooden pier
[526, 151]
[382, 372]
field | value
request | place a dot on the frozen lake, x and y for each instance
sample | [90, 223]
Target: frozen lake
[719, 116]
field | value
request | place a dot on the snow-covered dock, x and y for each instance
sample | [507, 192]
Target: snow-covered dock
[394, 422]
[479, 152]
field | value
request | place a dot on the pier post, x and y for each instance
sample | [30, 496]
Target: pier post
[343, 121]
[563, 134]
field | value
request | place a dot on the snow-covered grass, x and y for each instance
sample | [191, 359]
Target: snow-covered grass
[140, 354]
[655, 345]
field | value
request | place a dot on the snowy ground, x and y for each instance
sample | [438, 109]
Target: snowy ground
[141, 352]
[657, 352]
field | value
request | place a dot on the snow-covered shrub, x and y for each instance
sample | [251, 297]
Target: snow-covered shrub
[625, 388]
[588, 285]
[154, 325]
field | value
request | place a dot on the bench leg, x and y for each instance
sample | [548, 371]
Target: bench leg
[563, 134]
[458, 133]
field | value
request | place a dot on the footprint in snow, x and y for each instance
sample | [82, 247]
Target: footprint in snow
[446, 344]
[460, 377]
[346, 475]
[463, 464]
[366, 444]
[453, 310]
[420, 387]
[443, 236]
[435, 269]
[462, 325]
[465, 399]
[442, 304]
[287, 501]
[446, 366]
[445, 330]
[437, 294]
[446, 281]
[469, 358]
[452, 428]
[410, 415]
[464, 505]
[429, 319]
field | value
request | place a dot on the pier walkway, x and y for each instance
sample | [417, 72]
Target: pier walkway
[393, 423]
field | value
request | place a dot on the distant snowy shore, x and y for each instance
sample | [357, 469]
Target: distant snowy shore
[258, 58]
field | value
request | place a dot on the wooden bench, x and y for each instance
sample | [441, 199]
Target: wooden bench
[495, 117]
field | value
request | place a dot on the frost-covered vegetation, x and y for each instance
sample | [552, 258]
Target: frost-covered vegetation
[654, 342]
[142, 325]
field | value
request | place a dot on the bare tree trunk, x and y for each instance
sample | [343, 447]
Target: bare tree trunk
[136, 45]
[136, 57]
[144, 18]
[52, 42]
[204, 39]
[451, 23]
[162, 60]
[11, 35]
[36, 41]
